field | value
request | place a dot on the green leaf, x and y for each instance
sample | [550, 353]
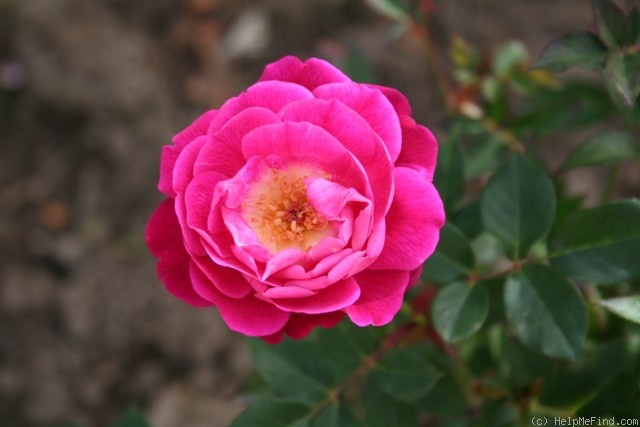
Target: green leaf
[347, 345]
[508, 57]
[611, 22]
[452, 259]
[459, 311]
[625, 307]
[274, 413]
[545, 311]
[623, 74]
[293, 369]
[599, 245]
[572, 50]
[132, 418]
[405, 374]
[518, 205]
[468, 220]
[380, 411]
[335, 415]
[606, 148]
[449, 176]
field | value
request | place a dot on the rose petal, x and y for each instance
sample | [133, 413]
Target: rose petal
[164, 239]
[226, 280]
[335, 297]
[371, 105]
[310, 74]
[183, 169]
[381, 297]
[419, 148]
[272, 95]
[194, 130]
[300, 325]
[413, 222]
[248, 315]
[223, 152]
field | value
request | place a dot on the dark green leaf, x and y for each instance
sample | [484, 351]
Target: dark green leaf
[599, 245]
[611, 22]
[571, 386]
[132, 418]
[335, 415]
[459, 311]
[623, 75]
[633, 23]
[468, 220]
[446, 398]
[449, 176]
[571, 50]
[606, 148]
[405, 374]
[347, 345]
[626, 307]
[483, 155]
[452, 259]
[293, 369]
[518, 205]
[274, 413]
[545, 311]
[380, 411]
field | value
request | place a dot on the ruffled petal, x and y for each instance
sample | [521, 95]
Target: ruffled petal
[413, 222]
[198, 128]
[300, 325]
[272, 95]
[335, 297]
[248, 315]
[371, 105]
[223, 152]
[164, 239]
[419, 148]
[226, 280]
[311, 73]
[381, 297]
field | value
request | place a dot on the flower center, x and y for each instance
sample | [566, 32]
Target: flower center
[277, 209]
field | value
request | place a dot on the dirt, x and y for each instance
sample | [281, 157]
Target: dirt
[89, 92]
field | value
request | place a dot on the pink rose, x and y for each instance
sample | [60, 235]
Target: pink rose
[304, 198]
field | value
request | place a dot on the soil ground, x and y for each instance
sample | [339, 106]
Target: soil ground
[89, 92]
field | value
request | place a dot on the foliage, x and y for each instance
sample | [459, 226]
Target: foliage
[529, 305]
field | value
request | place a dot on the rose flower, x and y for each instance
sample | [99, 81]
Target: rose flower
[305, 198]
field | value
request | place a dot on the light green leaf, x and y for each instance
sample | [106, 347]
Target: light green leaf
[545, 311]
[599, 245]
[459, 311]
[452, 259]
[381, 411]
[518, 205]
[509, 56]
[274, 413]
[606, 148]
[625, 307]
[405, 374]
[571, 50]
[623, 74]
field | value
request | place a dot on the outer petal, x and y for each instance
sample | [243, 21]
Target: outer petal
[300, 325]
[381, 297]
[164, 239]
[197, 128]
[335, 297]
[373, 106]
[413, 222]
[248, 315]
[310, 74]
[272, 95]
[419, 148]
[223, 153]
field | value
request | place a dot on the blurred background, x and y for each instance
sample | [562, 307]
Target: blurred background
[89, 92]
